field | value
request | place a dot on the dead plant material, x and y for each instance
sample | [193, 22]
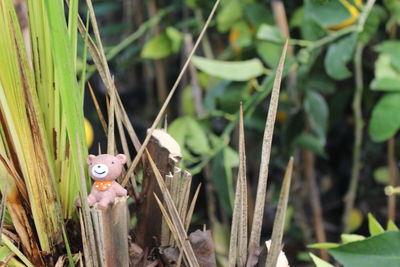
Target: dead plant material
[203, 247]
[266, 153]
[166, 153]
[112, 231]
[274, 251]
[238, 238]
[314, 199]
[172, 217]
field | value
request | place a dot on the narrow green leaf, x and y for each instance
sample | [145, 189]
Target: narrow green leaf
[319, 262]
[73, 29]
[348, 238]
[71, 124]
[392, 226]
[373, 225]
[325, 245]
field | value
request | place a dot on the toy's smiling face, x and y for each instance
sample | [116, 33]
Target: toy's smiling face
[99, 170]
[105, 167]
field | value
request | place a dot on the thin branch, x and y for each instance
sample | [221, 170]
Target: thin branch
[359, 123]
[315, 201]
[394, 177]
[358, 132]
[391, 159]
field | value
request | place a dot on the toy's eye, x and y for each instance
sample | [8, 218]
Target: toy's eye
[112, 162]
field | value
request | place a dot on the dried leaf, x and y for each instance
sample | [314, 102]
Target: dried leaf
[136, 254]
[238, 241]
[275, 252]
[203, 247]
[266, 153]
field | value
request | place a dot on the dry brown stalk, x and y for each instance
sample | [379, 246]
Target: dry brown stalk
[266, 151]
[279, 223]
[315, 202]
[238, 238]
[172, 217]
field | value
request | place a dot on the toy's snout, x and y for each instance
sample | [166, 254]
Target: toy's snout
[100, 170]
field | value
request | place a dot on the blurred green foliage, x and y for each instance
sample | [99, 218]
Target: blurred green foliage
[236, 63]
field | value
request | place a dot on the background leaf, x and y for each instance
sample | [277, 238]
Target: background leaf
[322, 12]
[379, 250]
[317, 112]
[233, 70]
[231, 11]
[374, 227]
[319, 262]
[163, 45]
[269, 33]
[385, 119]
[338, 55]
[188, 133]
[223, 179]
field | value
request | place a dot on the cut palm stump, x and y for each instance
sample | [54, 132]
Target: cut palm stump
[111, 233]
[152, 230]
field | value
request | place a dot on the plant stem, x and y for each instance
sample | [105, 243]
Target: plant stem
[332, 37]
[159, 64]
[315, 202]
[394, 176]
[359, 123]
[281, 21]
[391, 159]
[205, 42]
[358, 131]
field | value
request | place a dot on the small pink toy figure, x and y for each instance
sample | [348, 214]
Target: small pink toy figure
[105, 169]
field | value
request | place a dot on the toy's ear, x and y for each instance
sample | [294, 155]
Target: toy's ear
[90, 158]
[122, 158]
